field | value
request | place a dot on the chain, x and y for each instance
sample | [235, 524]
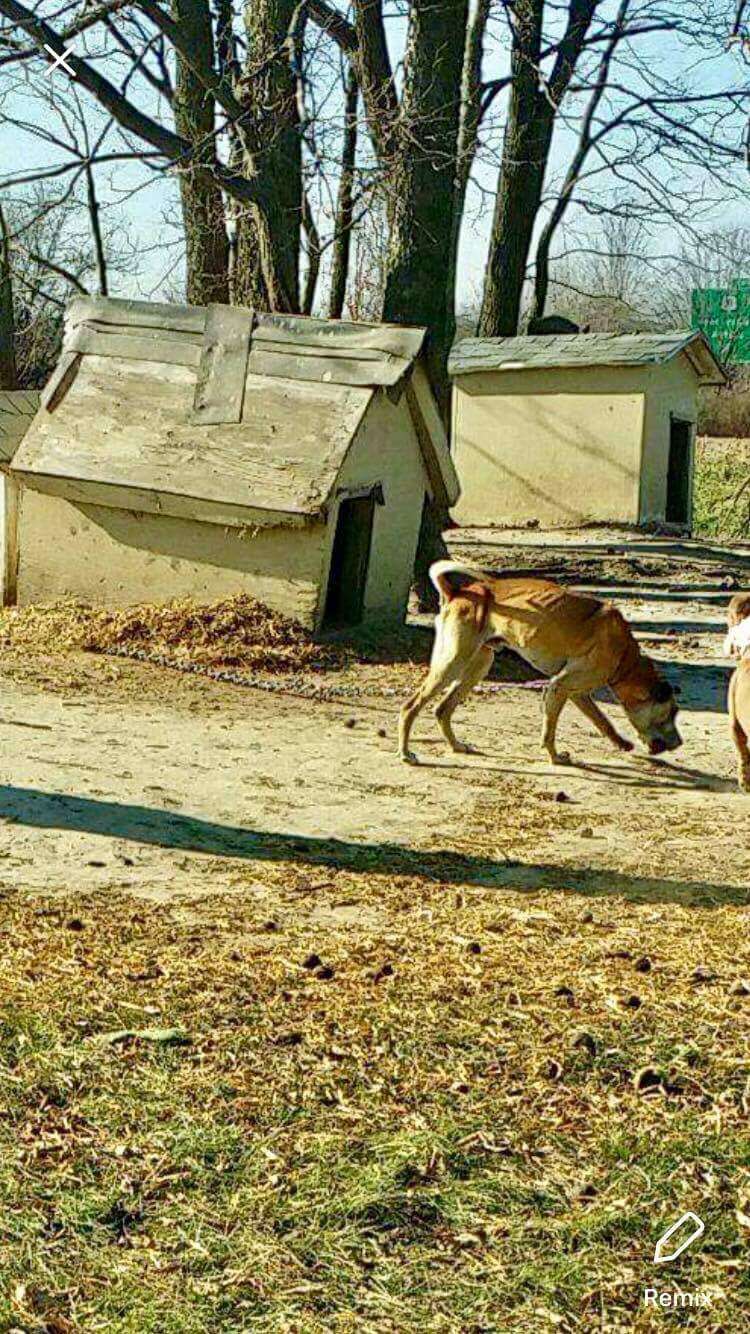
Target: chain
[290, 685]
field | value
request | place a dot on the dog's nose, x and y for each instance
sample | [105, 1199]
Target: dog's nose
[657, 747]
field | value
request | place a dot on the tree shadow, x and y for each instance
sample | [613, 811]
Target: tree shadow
[171, 830]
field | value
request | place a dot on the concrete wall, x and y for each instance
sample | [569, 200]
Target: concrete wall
[117, 557]
[559, 446]
[671, 391]
[386, 450]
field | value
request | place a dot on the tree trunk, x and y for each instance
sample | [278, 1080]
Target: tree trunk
[206, 242]
[589, 135]
[7, 322]
[273, 158]
[528, 135]
[344, 201]
[533, 107]
[422, 183]
[420, 286]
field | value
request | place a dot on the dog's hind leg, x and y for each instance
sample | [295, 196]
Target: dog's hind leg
[600, 720]
[455, 645]
[743, 754]
[476, 670]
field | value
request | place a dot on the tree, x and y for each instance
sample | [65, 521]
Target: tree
[666, 137]
[533, 105]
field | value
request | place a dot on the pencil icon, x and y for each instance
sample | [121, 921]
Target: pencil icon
[678, 1237]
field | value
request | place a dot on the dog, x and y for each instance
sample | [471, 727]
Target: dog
[738, 626]
[579, 642]
[737, 645]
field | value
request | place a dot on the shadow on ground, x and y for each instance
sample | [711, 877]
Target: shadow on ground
[167, 829]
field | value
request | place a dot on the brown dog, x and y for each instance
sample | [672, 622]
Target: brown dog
[580, 642]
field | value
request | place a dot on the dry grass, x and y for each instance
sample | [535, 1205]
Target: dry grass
[237, 632]
[721, 504]
[406, 1103]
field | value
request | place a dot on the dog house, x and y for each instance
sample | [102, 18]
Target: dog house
[17, 409]
[580, 428]
[190, 452]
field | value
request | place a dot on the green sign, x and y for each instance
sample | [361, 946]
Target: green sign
[723, 314]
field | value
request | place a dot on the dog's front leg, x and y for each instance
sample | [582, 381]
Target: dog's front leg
[555, 697]
[601, 722]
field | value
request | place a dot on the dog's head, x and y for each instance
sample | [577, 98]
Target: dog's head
[738, 609]
[652, 709]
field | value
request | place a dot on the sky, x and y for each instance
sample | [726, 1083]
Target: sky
[146, 202]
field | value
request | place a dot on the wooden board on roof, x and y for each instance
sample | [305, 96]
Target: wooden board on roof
[128, 425]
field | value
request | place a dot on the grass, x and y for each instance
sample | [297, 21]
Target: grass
[721, 500]
[434, 1126]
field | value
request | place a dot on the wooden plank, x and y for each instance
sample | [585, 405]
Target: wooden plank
[148, 345]
[288, 365]
[10, 544]
[60, 380]
[293, 330]
[220, 387]
[135, 314]
[171, 504]
[433, 440]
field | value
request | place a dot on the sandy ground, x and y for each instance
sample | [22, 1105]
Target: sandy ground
[132, 777]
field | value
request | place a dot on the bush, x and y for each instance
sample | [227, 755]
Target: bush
[721, 498]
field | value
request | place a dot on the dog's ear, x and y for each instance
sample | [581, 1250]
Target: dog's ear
[662, 692]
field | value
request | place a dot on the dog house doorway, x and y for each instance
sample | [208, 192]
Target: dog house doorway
[678, 471]
[350, 559]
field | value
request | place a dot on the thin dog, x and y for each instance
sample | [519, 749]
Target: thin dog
[579, 642]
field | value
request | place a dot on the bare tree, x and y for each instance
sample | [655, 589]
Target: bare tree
[7, 320]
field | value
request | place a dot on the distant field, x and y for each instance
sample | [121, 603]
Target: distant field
[721, 504]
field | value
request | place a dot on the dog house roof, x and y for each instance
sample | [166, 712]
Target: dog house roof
[17, 408]
[219, 413]
[584, 350]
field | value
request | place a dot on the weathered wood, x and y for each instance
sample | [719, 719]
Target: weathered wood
[323, 370]
[170, 504]
[10, 542]
[128, 425]
[329, 334]
[433, 440]
[60, 380]
[136, 314]
[220, 387]
[147, 345]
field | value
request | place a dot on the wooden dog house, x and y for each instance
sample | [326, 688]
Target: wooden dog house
[577, 428]
[190, 452]
[17, 410]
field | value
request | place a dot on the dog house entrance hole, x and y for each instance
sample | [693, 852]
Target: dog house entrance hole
[678, 472]
[350, 560]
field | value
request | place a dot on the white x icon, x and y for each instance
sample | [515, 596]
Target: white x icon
[59, 60]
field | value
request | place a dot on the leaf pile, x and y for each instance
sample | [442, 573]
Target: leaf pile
[236, 632]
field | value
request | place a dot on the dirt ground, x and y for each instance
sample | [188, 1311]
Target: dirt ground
[131, 777]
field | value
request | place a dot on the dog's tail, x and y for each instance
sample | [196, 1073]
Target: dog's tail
[448, 575]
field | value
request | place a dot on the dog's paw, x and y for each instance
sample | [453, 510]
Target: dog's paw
[408, 757]
[561, 757]
[464, 748]
[624, 745]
